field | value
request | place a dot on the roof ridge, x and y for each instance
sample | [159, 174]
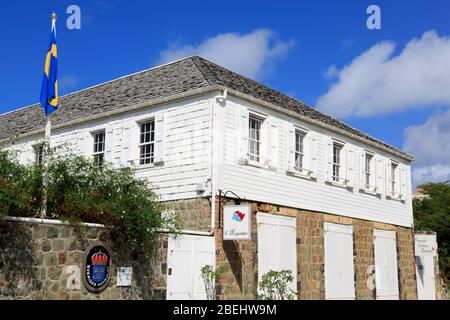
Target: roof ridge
[107, 82]
[194, 60]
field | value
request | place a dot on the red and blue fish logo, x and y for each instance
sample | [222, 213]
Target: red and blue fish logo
[238, 216]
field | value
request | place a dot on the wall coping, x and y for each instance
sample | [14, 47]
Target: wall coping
[53, 222]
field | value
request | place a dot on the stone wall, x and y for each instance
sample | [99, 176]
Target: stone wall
[406, 264]
[239, 258]
[192, 214]
[37, 261]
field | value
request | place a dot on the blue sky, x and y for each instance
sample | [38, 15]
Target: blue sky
[302, 47]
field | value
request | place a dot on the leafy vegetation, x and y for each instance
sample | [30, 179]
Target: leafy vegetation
[275, 286]
[433, 214]
[80, 191]
[211, 278]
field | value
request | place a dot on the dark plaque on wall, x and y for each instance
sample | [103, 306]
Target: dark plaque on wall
[96, 268]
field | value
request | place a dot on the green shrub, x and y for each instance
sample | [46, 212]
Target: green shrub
[80, 191]
[211, 278]
[275, 286]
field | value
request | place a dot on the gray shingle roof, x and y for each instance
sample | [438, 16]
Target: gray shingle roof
[167, 80]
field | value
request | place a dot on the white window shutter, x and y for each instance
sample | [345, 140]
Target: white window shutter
[403, 183]
[273, 144]
[312, 156]
[388, 179]
[329, 159]
[127, 146]
[244, 118]
[159, 138]
[362, 170]
[108, 144]
[291, 149]
[350, 165]
[85, 146]
[379, 165]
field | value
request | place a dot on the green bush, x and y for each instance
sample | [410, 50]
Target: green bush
[275, 286]
[80, 191]
[211, 278]
[433, 214]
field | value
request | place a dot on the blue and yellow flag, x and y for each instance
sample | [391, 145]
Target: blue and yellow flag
[49, 89]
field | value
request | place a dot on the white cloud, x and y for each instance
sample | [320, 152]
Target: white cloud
[377, 82]
[253, 54]
[429, 143]
[67, 82]
[331, 73]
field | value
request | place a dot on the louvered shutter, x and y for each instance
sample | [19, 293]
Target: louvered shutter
[379, 179]
[291, 149]
[388, 179]
[159, 138]
[108, 144]
[350, 165]
[272, 153]
[329, 159]
[244, 118]
[362, 167]
[312, 155]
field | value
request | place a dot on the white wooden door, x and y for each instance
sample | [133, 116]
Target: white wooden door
[386, 273]
[426, 285]
[186, 256]
[339, 271]
[277, 245]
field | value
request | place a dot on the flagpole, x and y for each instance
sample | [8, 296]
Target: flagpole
[46, 153]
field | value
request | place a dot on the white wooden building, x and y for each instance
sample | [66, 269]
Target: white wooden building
[193, 128]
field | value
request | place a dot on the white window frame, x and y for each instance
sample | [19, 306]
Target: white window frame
[38, 150]
[369, 172]
[147, 160]
[300, 151]
[395, 181]
[98, 153]
[340, 165]
[255, 157]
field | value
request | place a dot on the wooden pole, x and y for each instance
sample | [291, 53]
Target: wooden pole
[45, 158]
[46, 153]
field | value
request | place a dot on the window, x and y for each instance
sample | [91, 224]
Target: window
[147, 142]
[337, 148]
[299, 150]
[368, 170]
[393, 174]
[254, 139]
[99, 148]
[38, 154]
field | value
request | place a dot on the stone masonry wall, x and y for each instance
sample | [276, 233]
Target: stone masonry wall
[406, 264]
[192, 214]
[364, 260]
[36, 262]
[240, 258]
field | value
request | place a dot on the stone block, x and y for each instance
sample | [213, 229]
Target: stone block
[51, 232]
[58, 244]
[50, 259]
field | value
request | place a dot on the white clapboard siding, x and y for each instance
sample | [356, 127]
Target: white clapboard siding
[182, 145]
[279, 187]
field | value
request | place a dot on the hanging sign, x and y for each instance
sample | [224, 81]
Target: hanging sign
[425, 245]
[237, 222]
[96, 268]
